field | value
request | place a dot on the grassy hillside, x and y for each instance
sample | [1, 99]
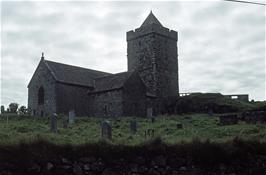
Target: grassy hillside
[87, 130]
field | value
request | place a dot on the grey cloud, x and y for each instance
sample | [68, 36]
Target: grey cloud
[221, 44]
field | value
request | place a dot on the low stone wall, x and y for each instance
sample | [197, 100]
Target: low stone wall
[150, 159]
[254, 117]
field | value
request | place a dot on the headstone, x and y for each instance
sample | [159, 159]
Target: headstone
[106, 130]
[149, 113]
[2, 109]
[210, 112]
[133, 126]
[71, 117]
[54, 123]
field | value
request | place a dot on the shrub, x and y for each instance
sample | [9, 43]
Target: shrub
[13, 107]
[22, 110]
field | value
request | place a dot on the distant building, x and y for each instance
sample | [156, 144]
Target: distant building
[152, 74]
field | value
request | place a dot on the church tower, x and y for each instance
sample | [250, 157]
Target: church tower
[152, 51]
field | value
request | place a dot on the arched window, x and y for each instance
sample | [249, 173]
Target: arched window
[41, 96]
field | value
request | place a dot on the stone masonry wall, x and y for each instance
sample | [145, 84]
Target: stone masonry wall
[71, 97]
[152, 51]
[42, 78]
[106, 104]
[134, 97]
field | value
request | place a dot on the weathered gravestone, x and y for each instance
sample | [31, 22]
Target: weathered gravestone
[149, 112]
[150, 115]
[71, 117]
[54, 123]
[2, 109]
[106, 130]
[228, 119]
[210, 112]
[133, 126]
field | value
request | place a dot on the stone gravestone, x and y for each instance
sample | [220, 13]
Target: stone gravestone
[210, 112]
[106, 130]
[71, 117]
[54, 123]
[150, 115]
[133, 126]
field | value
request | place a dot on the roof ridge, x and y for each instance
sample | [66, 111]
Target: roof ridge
[50, 69]
[77, 67]
[119, 73]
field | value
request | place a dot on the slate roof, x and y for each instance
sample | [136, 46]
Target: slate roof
[73, 75]
[111, 82]
[151, 19]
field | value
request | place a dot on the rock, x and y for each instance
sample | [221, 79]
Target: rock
[86, 167]
[49, 166]
[177, 162]
[66, 167]
[140, 160]
[142, 169]
[97, 166]
[175, 173]
[87, 159]
[160, 160]
[77, 170]
[65, 161]
[133, 168]
[108, 171]
[5, 173]
[34, 168]
[182, 168]
[153, 172]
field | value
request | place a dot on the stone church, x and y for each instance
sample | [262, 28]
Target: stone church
[152, 74]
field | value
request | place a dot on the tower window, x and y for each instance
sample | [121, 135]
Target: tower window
[139, 43]
[41, 96]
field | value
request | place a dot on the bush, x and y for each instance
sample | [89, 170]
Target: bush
[22, 110]
[13, 107]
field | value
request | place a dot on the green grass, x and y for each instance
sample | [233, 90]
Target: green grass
[87, 130]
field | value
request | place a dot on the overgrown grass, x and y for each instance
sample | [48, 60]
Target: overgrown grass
[87, 130]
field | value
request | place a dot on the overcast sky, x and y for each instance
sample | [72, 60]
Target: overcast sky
[221, 44]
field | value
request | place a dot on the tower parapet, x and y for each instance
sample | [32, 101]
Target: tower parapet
[139, 32]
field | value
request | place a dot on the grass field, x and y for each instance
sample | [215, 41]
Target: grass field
[87, 130]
